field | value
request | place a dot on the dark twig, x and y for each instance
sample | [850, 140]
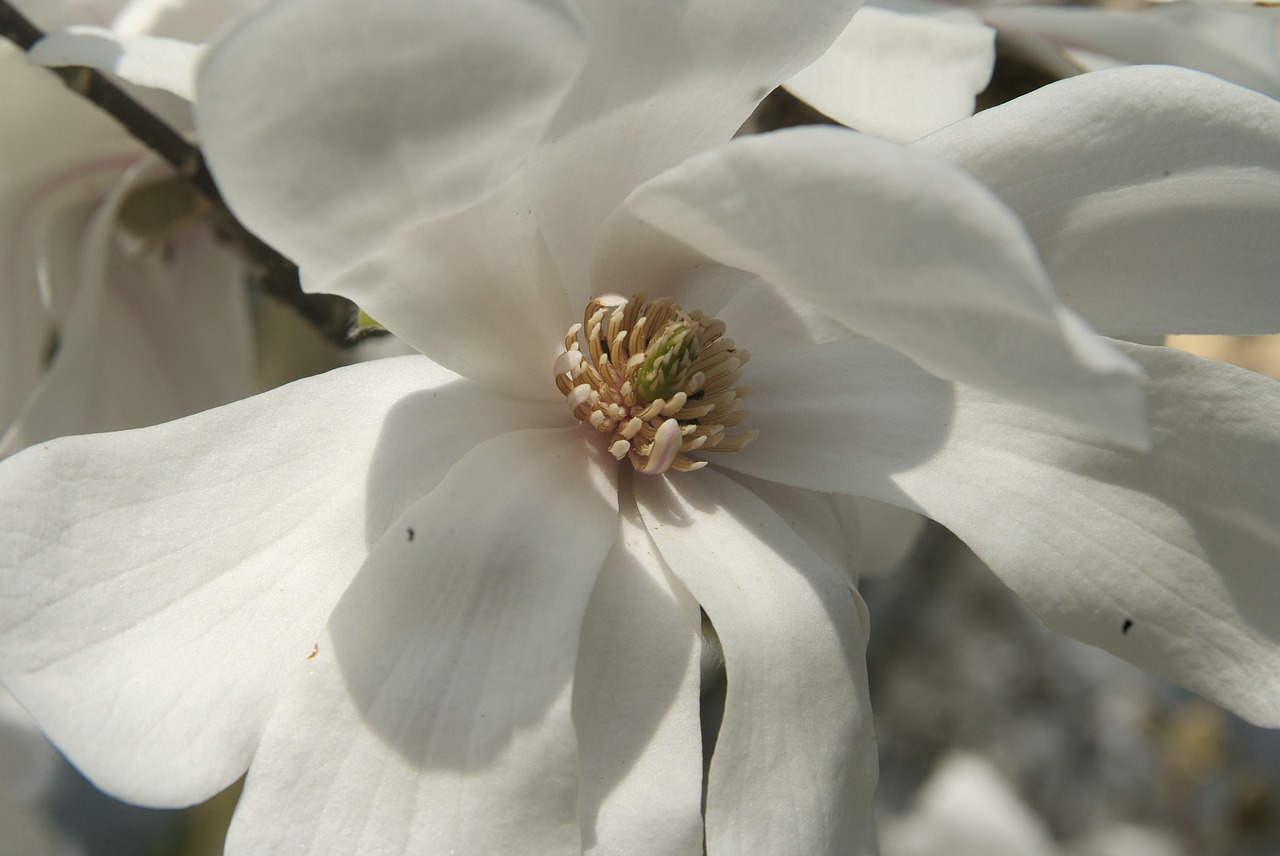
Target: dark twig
[271, 272]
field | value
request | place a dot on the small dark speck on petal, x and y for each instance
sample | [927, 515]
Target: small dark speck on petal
[410, 533]
[1127, 626]
[1167, 173]
[315, 649]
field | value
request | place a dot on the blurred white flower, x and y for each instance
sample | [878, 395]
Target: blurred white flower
[430, 611]
[967, 807]
[121, 307]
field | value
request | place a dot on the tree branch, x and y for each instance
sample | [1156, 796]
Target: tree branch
[270, 271]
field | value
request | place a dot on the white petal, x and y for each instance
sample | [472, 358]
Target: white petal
[328, 124]
[1153, 195]
[1149, 38]
[632, 255]
[794, 765]
[821, 520]
[148, 338]
[907, 250]
[162, 583]
[1165, 559]
[901, 73]
[437, 719]
[665, 79]
[887, 534]
[150, 61]
[636, 707]
[475, 292]
[776, 319]
[842, 417]
[61, 152]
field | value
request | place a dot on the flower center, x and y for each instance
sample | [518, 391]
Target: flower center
[659, 382]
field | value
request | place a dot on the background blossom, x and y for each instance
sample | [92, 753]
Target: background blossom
[123, 308]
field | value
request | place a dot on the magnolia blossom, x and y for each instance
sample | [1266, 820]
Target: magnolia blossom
[453, 602]
[121, 307]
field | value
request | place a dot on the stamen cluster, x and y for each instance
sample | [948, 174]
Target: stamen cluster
[659, 382]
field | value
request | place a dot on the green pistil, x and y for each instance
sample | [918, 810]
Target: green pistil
[667, 361]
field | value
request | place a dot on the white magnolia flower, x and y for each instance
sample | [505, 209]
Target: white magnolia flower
[431, 611]
[111, 320]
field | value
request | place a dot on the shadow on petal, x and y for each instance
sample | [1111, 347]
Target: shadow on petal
[794, 766]
[429, 431]
[1166, 559]
[458, 638]
[636, 704]
[843, 417]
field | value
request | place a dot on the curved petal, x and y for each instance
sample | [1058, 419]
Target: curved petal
[148, 339]
[1147, 38]
[821, 520]
[59, 152]
[794, 766]
[475, 292]
[1153, 195]
[886, 534]
[842, 417]
[328, 123]
[636, 705]
[150, 61]
[903, 71]
[665, 79]
[1165, 559]
[161, 583]
[436, 718]
[901, 248]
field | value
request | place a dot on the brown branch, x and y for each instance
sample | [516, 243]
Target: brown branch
[270, 271]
